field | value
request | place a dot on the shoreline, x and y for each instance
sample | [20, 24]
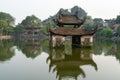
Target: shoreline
[115, 39]
[5, 37]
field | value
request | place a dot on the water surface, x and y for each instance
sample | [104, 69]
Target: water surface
[34, 60]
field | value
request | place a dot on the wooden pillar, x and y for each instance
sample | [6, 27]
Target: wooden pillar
[76, 41]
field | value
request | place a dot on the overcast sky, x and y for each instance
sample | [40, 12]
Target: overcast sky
[105, 9]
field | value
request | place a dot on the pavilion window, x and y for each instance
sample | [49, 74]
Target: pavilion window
[35, 33]
[29, 32]
[87, 40]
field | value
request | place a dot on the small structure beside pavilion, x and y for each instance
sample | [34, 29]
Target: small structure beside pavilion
[31, 32]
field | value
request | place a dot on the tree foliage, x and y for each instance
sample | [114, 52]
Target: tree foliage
[117, 19]
[98, 22]
[31, 21]
[106, 32]
[6, 23]
[8, 18]
[89, 24]
[3, 23]
[118, 30]
[18, 29]
[44, 30]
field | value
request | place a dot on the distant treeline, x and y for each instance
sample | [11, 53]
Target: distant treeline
[106, 28]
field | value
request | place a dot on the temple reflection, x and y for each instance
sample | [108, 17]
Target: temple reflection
[31, 48]
[69, 66]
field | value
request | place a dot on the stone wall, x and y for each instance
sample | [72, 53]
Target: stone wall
[57, 40]
[86, 40]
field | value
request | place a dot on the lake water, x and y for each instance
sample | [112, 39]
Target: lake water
[34, 60]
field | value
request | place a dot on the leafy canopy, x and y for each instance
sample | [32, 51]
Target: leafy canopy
[31, 21]
[8, 18]
[6, 23]
[118, 30]
[106, 32]
[117, 19]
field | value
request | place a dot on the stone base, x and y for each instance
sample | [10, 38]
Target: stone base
[57, 41]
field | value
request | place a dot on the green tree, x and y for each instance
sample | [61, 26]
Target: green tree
[117, 19]
[18, 29]
[118, 30]
[98, 22]
[3, 24]
[106, 32]
[31, 21]
[44, 30]
[8, 31]
[89, 23]
[6, 23]
[8, 18]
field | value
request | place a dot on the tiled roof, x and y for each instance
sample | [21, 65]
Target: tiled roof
[69, 19]
[71, 31]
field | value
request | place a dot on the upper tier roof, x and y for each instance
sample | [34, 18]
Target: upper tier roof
[69, 20]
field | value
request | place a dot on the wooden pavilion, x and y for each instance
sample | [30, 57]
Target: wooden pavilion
[79, 35]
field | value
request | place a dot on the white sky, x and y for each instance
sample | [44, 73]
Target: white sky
[105, 9]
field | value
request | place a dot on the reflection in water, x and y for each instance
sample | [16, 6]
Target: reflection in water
[30, 47]
[6, 52]
[115, 51]
[107, 48]
[65, 63]
[69, 66]
[102, 46]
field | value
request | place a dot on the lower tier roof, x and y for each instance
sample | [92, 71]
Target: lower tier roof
[72, 31]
